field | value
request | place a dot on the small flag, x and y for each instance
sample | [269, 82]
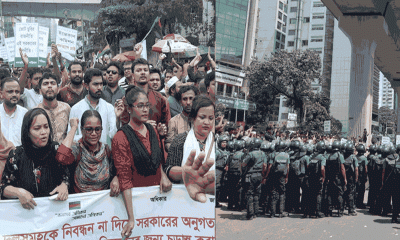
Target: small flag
[74, 205]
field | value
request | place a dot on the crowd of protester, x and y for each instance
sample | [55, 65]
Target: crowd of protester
[106, 125]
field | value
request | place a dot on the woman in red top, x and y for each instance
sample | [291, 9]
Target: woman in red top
[137, 153]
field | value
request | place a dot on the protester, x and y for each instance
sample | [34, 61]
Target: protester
[109, 114]
[128, 77]
[155, 79]
[92, 161]
[57, 111]
[75, 91]
[180, 123]
[11, 114]
[137, 152]
[173, 86]
[112, 92]
[36, 153]
[199, 138]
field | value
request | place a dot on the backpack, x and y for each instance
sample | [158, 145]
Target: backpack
[280, 163]
[333, 165]
[314, 166]
[297, 164]
[378, 164]
[349, 165]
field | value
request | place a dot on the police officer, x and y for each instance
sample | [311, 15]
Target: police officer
[388, 178]
[221, 155]
[362, 175]
[234, 172]
[383, 152]
[351, 168]
[395, 187]
[336, 179]
[374, 185]
[314, 182]
[295, 177]
[279, 165]
[253, 165]
[266, 148]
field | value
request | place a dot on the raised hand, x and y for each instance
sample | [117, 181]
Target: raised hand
[195, 177]
[24, 57]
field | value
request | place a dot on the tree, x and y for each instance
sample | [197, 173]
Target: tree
[122, 18]
[289, 74]
[387, 116]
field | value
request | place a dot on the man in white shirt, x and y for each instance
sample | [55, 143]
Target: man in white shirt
[31, 97]
[94, 84]
[11, 114]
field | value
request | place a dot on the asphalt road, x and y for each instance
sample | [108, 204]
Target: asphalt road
[364, 226]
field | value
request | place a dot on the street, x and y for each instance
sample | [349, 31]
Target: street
[233, 225]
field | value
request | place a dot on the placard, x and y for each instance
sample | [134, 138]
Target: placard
[10, 45]
[43, 42]
[327, 126]
[26, 37]
[66, 39]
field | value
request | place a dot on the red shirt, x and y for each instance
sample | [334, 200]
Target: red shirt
[68, 96]
[128, 177]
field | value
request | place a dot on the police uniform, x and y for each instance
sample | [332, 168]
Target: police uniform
[220, 163]
[362, 179]
[351, 167]
[234, 169]
[335, 182]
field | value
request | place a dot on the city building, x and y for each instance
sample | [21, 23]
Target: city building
[236, 22]
[386, 93]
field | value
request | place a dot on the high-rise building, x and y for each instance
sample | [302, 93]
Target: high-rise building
[236, 22]
[386, 93]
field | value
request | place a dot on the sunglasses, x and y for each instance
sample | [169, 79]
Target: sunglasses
[113, 72]
[90, 129]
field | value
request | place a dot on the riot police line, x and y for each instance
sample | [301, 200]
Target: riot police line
[282, 177]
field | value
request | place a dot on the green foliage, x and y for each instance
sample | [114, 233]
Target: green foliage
[387, 116]
[124, 18]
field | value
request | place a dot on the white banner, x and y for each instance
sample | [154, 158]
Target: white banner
[96, 215]
[327, 126]
[10, 45]
[229, 79]
[43, 42]
[66, 40]
[397, 139]
[3, 53]
[385, 140]
[26, 37]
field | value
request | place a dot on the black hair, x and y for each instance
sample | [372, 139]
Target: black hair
[131, 94]
[35, 70]
[169, 69]
[209, 78]
[90, 113]
[47, 70]
[1, 59]
[47, 76]
[6, 80]
[25, 129]
[4, 73]
[139, 61]
[155, 70]
[184, 89]
[118, 66]
[199, 101]
[90, 73]
[74, 63]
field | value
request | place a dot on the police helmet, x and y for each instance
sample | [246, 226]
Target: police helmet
[392, 149]
[256, 143]
[240, 145]
[320, 146]
[280, 146]
[221, 139]
[380, 149]
[231, 146]
[398, 148]
[336, 145]
[310, 149]
[360, 148]
[329, 148]
[373, 149]
[265, 146]
[349, 147]
[295, 144]
[303, 148]
[272, 147]
[385, 150]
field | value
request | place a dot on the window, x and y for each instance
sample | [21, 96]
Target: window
[283, 38]
[292, 21]
[277, 45]
[318, 4]
[220, 89]
[305, 42]
[280, 5]
[317, 27]
[278, 35]
[284, 19]
[280, 15]
[306, 20]
[290, 43]
[293, 9]
[318, 50]
[229, 90]
[317, 39]
[279, 25]
[284, 116]
[318, 16]
[292, 32]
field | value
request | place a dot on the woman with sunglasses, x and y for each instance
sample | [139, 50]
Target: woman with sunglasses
[137, 153]
[31, 169]
[90, 159]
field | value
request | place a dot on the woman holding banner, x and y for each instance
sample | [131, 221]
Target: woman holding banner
[31, 169]
[197, 143]
[137, 153]
[91, 160]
